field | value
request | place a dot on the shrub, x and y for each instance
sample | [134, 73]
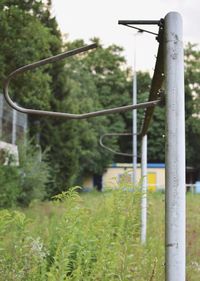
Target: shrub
[88, 238]
[9, 186]
[21, 184]
[22, 255]
[34, 174]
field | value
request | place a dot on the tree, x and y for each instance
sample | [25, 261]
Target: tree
[111, 76]
[87, 82]
[90, 84]
[28, 34]
[192, 95]
[24, 39]
[156, 142]
[156, 132]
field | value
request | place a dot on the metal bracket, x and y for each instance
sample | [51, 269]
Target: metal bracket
[132, 23]
[62, 114]
[110, 149]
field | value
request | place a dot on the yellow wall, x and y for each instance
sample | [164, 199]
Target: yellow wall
[112, 176]
[156, 176]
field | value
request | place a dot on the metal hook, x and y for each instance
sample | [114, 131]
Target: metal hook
[110, 149]
[62, 114]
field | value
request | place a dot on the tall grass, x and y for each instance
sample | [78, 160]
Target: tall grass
[95, 236]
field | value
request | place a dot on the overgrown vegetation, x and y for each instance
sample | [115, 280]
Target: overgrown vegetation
[95, 240]
[95, 236]
[20, 184]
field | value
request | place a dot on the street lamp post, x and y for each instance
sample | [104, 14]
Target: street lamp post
[134, 116]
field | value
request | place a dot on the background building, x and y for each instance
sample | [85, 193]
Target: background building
[119, 173]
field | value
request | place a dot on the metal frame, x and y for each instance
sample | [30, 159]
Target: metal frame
[155, 92]
[170, 64]
[62, 114]
[132, 23]
[156, 84]
[110, 149]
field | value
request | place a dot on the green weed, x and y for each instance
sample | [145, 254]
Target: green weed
[90, 237]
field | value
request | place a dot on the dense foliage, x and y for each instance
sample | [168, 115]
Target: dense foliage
[82, 84]
[87, 82]
[192, 93]
[27, 181]
[75, 241]
[88, 87]
[93, 237]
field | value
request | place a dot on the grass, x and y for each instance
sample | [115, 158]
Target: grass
[95, 236]
[193, 237]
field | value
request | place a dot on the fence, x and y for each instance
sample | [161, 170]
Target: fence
[13, 124]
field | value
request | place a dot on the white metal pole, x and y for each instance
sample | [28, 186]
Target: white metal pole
[144, 190]
[14, 126]
[175, 149]
[134, 122]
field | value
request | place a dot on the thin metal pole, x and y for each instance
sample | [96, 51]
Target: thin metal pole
[143, 22]
[144, 190]
[134, 121]
[14, 126]
[175, 149]
[25, 126]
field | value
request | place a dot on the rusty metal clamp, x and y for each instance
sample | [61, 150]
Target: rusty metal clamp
[63, 114]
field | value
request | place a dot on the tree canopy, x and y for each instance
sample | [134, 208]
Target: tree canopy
[192, 94]
[87, 82]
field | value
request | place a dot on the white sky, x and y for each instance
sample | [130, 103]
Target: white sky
[85, 19]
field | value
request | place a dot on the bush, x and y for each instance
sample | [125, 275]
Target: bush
[87, 243]
[22, 255]
[21, 184]
[89, 238]
[34, 174]
[10, 188]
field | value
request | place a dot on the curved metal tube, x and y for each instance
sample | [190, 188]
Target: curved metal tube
[63, 114]
[112, 150]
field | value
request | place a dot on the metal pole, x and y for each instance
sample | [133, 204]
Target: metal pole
[1, 115]
[134, 122]
[143, 22]
[175, 149]
[144, 190]
[25, 126]
[14, 126]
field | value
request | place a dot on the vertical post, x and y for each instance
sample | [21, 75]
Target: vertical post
[37, 140]
[1, 114]
[134, 122]
[14, 126]
[175, 149]
[25, 125]
[144, 190]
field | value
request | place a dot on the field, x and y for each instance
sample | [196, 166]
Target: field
[91, 236]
